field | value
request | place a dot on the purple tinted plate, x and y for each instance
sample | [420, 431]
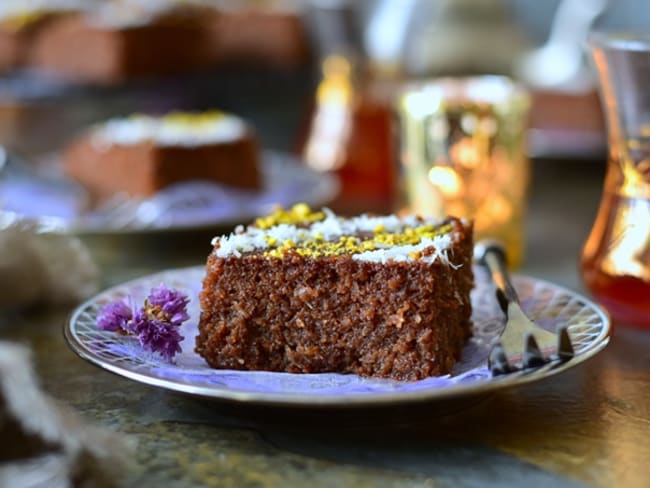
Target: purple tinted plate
[550, 305]
[188, 205]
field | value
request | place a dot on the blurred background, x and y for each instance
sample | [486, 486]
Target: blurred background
[318, 82]
[417, 37]
[316, 79]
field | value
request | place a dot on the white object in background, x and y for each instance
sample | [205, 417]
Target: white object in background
[387, 31]
[561, 64]
[464, 37]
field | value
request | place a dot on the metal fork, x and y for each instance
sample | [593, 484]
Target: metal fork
[523, 345]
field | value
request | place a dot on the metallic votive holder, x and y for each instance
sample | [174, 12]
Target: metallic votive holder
[463, 153]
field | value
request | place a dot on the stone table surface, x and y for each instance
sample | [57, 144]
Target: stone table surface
[589, 426]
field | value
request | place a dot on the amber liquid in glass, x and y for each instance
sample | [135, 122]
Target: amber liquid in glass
[615, 261]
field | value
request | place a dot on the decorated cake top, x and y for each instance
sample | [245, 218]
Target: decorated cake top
[322, 233]
[126, 14]
[17, 14]
[174, 129]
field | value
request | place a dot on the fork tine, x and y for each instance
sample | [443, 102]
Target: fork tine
[533, 357]
[523, 345]
[564, 347]
[498, 361]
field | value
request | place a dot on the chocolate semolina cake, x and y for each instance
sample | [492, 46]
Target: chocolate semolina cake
[261, 36]
[22, 27]
[140, 155]
[119, 41]
[305, 291]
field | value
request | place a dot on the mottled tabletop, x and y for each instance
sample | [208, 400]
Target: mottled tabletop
[588, 426]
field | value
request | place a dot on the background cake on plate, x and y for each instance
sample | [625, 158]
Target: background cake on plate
[117, 41]
[140, 155]
[112, 41]
[311, 292]
[22, 24]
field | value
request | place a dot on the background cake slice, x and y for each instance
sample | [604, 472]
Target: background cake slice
[23, 24]
[309, 292]
[140, 155]
[118, 41]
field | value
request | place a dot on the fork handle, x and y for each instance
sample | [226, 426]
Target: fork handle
[491, 254]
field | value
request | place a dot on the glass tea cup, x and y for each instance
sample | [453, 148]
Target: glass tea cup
[615, 261]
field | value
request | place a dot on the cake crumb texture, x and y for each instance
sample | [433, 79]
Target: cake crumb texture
[401, 319]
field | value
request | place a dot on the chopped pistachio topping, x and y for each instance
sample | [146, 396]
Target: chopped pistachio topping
[193, 118]
[315, 248]
[298, 214]
[304, 232]
[21, 20]
[315, 245]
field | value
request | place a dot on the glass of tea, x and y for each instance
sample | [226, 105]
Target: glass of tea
[615, 261]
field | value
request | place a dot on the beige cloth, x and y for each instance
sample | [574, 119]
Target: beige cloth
[39, 264]
[45, 444]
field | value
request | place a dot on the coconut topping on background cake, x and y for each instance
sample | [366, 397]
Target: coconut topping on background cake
[175, 129]
[21, 12]
[323, 233]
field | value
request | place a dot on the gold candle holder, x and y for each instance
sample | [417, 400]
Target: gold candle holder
[463, 153]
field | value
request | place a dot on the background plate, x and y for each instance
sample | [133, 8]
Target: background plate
[548, 304]
[183, 206]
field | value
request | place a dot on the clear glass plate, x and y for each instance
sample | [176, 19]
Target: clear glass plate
[549, 305]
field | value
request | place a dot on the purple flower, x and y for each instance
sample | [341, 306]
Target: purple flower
[140, 322]
[115, 316]
[161, 337]
[155, 324]
[167, 305]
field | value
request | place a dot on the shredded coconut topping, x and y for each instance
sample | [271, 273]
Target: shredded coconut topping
[11, 10]
[176, 129]
[365, 238]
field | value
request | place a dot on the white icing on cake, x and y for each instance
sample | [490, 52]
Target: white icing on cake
[169, 131]
[333, 227]
[15, 8]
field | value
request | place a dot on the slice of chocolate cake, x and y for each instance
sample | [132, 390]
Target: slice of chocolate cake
[309, 292]
[23, 24]
[140, 155]
[120, 41]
